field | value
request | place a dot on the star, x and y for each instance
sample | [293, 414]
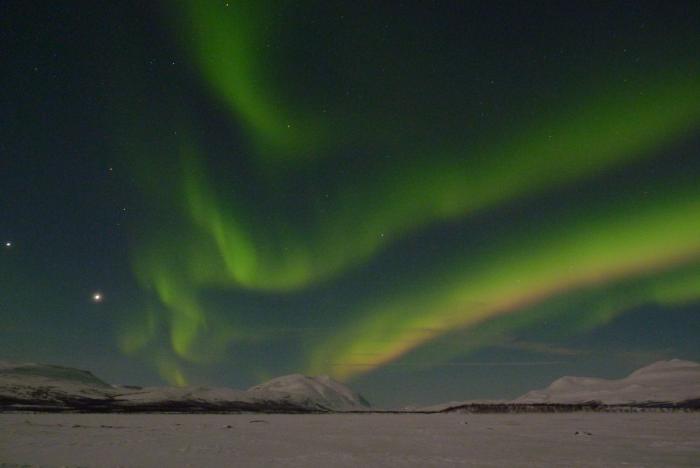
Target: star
[97, 297]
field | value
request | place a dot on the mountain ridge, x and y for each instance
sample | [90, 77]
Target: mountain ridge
[662, 381]
[56, 388]
[673, 384]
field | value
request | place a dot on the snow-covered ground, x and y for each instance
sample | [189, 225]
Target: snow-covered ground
[367, 440]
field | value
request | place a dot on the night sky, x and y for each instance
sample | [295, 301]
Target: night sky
[429, 200]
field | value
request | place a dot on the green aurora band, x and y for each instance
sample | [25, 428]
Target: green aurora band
[620, 243]
[647, 247]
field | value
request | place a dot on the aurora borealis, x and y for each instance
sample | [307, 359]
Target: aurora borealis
[397, 191]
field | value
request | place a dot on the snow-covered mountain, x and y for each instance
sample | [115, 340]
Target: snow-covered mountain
[36, 386]
[49, 384]
[321, 391]
[294, 392]
[46, 373]
[664, 384]
[664, 381]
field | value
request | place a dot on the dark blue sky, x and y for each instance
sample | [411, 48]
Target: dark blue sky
[430, 201]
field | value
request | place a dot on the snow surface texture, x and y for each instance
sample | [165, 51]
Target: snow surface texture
[351, 440]
[663, 381]
[44, 384]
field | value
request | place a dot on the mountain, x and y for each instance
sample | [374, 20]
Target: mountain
[663, 385]
[46, 373]
[671, 381]
[56, 388]
[321, 391]
[290, 393]
[52, 385]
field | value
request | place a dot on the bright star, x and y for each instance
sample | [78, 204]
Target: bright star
[97, 297]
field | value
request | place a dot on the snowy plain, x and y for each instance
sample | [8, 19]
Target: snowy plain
[340, 440]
